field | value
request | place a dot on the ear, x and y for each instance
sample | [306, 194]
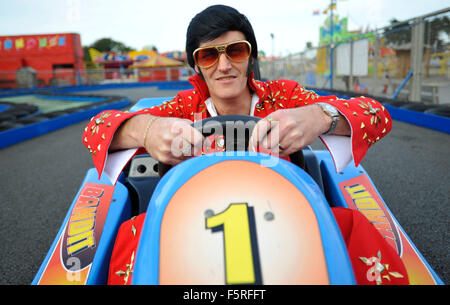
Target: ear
[198, 71]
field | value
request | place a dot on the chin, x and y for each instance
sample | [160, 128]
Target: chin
[227, 94]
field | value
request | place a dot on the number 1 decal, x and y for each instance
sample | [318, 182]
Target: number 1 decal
[241, 249]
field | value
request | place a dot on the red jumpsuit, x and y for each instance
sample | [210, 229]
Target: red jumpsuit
[369, 122]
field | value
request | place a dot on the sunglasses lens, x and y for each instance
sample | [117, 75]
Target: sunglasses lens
[239, 51]
[206, 57]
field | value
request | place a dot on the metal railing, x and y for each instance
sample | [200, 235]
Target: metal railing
[408, 60]
[30, 78]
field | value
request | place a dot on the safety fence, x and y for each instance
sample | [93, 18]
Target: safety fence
[408, 60]
[24, 117]
[29, 78]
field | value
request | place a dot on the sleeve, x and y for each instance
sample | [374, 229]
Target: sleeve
[368, 119]
[99, 132]
[373, 260]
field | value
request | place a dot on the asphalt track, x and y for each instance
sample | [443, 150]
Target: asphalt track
[41, 176]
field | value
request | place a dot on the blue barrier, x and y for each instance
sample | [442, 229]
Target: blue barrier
[427, 120]
[4, 107]
[22, 133]
[162, 85]
[72, 98]
[431, 121]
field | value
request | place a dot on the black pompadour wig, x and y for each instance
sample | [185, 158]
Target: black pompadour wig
[214, 21]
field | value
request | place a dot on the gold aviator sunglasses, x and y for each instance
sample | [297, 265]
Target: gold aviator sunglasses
[236, 51]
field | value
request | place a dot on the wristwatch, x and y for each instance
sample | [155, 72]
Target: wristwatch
[332, 112]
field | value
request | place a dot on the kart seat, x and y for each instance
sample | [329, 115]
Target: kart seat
[312, 166]
[141, 182]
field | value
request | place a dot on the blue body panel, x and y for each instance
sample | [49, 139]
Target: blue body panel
[149, 102]
[147, 258]
[119, 211]
[331, 181]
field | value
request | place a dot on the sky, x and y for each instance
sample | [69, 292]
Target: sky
[163, 24]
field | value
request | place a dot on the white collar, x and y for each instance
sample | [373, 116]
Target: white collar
[213, 112]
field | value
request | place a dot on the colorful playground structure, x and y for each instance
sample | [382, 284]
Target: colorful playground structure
[30, 61]
[50, 59]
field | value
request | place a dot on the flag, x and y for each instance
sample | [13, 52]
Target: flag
[94, 54]
[20, 43]
[53, 41]
[330, 7]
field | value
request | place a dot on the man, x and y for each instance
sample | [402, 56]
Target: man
[221, 47]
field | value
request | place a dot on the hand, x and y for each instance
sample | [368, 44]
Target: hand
[172, 140]
[290, 130]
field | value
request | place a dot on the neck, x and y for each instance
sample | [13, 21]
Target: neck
[240, 105]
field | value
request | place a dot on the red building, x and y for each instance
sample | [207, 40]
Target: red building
[57, 58]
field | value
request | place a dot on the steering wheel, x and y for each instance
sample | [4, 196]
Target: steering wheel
[241, 127]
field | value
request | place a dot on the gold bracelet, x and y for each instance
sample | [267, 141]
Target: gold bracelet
[150, 122]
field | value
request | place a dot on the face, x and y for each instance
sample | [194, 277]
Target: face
[226, 79]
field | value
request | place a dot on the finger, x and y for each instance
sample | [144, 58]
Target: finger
[195, 140]
[173, 161]
[284, 145]
[290, 147]
[259, 132]
[183, 149]
[272, 140]
[186, 149]
[286, 149]
[187, 141]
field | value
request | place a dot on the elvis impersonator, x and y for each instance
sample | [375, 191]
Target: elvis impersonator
[221, 47]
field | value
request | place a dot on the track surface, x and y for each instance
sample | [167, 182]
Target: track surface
[41, 176]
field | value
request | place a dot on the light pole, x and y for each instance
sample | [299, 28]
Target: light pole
[273, 51]
[331, 44]
[273, 54]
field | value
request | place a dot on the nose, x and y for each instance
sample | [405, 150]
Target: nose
[224, 63]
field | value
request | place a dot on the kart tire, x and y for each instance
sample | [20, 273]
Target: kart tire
[418, 107]
[5, 117]
[55, 114]
[441, 111]
[399, 103]
[33, 119]
[8, 125]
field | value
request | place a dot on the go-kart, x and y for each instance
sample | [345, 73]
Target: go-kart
[232, 217]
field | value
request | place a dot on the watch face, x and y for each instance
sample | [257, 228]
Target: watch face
[331, 110]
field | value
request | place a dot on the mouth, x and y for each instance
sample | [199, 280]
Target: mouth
[225, 78]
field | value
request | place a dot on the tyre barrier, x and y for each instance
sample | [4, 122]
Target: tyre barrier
[14, 111]
[436, 117]
[19, 122]
[23, 114]
[442, 111]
